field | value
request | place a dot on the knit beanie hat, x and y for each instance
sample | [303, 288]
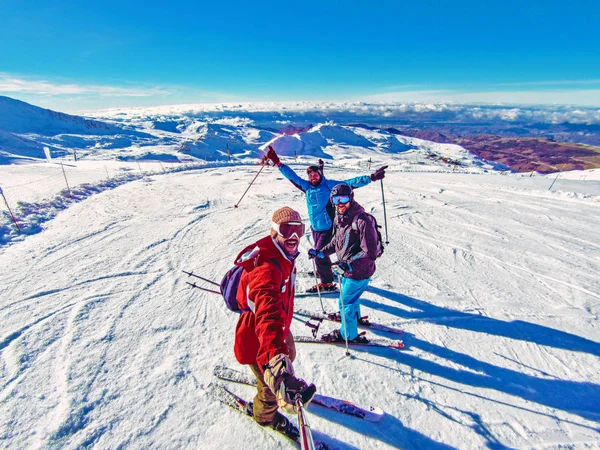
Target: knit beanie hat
[318, 169]
[286, 215]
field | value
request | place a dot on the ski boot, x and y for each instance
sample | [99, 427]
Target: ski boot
[336, 317]
[334, 336]
[364, 321]
[360, 339]
[323, 287]
[284, 426]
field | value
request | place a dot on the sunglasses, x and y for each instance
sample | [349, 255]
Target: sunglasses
[340, 199]
[289, 230]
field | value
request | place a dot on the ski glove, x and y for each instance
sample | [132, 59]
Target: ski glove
[312, 254]
[321, 165]
[279, 376]
[272, 156]
[379, 174]
[346, 267]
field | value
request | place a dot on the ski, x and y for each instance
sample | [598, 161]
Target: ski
[328, 294]
[381, 343]
[372, 414]
[237, 403]
[331, 317]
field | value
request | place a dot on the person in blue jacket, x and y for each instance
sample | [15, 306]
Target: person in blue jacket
[320, 211]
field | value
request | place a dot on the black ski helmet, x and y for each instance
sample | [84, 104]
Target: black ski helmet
[342, 189]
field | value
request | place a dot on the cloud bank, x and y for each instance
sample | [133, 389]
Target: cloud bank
[15, 85]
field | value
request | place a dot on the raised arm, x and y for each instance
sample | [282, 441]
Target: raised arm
[287, 171]
[357, 182]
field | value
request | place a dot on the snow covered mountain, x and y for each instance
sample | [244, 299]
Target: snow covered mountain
[26, 129]
[22, 118]
[15, 148]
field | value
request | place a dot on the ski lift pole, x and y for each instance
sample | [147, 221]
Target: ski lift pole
[306, 439]
[317, 284]
[384, 214]
[10, 211]
[251, 183]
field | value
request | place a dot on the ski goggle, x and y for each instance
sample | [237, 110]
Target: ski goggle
[313, 169]
[340, 199]
[289, 229]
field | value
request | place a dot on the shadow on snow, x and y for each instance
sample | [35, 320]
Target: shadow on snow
[389, 430]
[580, 398]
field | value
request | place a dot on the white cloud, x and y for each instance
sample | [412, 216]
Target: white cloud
[584, 97]
[17, 85]
[551, 83]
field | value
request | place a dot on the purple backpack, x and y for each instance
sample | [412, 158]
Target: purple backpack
[229, 288]
[230, 284]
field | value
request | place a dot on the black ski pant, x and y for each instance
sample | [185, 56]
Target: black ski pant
[321, 239]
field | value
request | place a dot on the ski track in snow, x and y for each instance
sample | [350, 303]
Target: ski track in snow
[493, 279]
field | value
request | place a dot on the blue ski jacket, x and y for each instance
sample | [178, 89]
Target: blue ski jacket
[317, 197]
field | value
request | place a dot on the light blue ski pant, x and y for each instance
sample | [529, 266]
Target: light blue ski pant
[350, 294]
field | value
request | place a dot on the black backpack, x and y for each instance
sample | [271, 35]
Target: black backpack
[377, 227]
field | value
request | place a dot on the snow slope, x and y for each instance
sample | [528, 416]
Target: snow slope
[494, 279]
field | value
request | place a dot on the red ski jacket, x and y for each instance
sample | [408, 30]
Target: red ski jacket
[267, 289]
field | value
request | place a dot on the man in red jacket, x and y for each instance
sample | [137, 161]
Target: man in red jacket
[263, 338]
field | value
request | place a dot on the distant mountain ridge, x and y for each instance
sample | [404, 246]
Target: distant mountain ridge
[20, 117]
[211, 136]
[26, 129]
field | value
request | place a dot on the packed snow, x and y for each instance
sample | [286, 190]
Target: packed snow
[493, 277]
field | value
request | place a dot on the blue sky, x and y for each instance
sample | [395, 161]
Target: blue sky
[73, 55]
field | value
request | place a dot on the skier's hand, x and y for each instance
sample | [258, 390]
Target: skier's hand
[379, 174]
[312, 254]
[279, 376]
[321, 164]
[271, 155]
[346, 267]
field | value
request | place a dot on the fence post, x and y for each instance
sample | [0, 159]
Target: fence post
[558, 175]
[65, 174]
[9, 210]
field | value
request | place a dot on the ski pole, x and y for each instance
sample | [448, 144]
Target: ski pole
[251, 183]
[384, 214]
[201, 288]
[317, 283]
[306, 439]
[342, 312]
[192, 274]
